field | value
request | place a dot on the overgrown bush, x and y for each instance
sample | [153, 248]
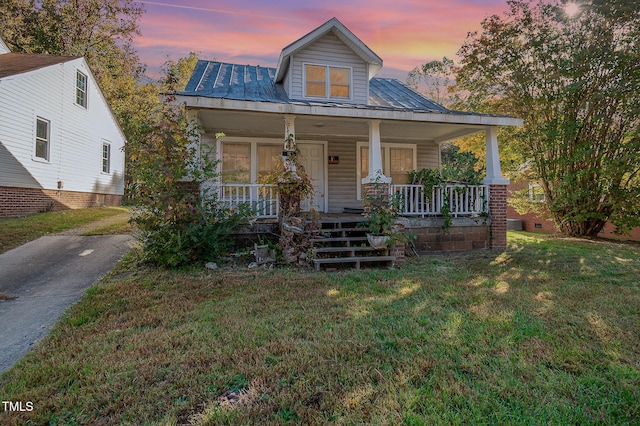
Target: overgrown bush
[177, 223]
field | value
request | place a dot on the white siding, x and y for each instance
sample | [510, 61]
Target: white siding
[329, 50]
[342, 180]
[76, 133]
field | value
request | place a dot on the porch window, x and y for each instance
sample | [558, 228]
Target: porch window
[321, 80]
[269, 158]
[401, 162]
[236, 161]
[397, 161]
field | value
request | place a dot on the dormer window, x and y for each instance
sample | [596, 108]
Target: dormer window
[321, 80]
[81, 89]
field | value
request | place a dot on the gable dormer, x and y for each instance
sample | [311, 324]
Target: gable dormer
[328, 64]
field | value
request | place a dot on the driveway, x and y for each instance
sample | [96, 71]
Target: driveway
[42, 278]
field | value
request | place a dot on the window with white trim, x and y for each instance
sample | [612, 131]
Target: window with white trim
[106, 157]
[237, 158]
[42, 139]
[269, 159]
[397, 161]
[323, 81]
[81, 89]
[236, 162]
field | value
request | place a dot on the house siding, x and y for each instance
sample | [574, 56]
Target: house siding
[329, 50]
[428, 156]
[342, 177]
[342, 180]
[76, 134]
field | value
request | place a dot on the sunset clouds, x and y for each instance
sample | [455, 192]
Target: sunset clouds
[405, 33]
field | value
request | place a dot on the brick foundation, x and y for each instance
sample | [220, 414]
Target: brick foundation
[374, 193]
[399, 251]
[498, 215]
[25, 201]
[463, 234]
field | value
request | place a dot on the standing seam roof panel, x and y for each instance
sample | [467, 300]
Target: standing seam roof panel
[256, 83]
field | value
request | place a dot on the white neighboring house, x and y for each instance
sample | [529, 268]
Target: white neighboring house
[60, 145]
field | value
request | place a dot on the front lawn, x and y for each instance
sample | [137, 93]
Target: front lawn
[546, 332]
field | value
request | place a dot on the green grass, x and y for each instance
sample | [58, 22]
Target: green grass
[17, 231]
[543, 333]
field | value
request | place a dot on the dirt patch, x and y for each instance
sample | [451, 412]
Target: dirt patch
[106, 222]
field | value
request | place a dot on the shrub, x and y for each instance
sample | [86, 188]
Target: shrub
[177, 224]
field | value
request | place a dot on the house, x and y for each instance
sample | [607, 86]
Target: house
[534, 222]
[353, 130]
[60, 145]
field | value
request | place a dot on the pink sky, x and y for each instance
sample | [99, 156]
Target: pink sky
[404, 33]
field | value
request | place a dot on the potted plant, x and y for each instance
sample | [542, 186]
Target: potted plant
[382, 209]
[380, 226]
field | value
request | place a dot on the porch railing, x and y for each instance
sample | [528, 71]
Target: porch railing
[462, 200]
[262, 198]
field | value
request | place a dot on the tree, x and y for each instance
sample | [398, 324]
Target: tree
[460, 165]
[177, 224]
[576, 82]
[436, 79]
[178, 221]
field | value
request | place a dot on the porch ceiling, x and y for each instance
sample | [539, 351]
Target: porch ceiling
[271, 125]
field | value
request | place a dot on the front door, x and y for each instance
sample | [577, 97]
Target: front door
[312, 159]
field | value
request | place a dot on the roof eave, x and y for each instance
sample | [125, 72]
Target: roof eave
[356, 112]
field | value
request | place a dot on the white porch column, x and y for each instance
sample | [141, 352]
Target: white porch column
[494, 175]
[289, 142]
[290, 131]
[497, 192]
[375, 156]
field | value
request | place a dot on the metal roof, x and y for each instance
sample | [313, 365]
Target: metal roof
[255, 83]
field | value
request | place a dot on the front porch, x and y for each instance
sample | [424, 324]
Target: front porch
[452, 217]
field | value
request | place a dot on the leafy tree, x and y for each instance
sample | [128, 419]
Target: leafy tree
[576, 82]
[17, 18]
[101, 31]
[460, 165]
[177, 224]
[178, 221]
[144, 110]
[437, 80]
